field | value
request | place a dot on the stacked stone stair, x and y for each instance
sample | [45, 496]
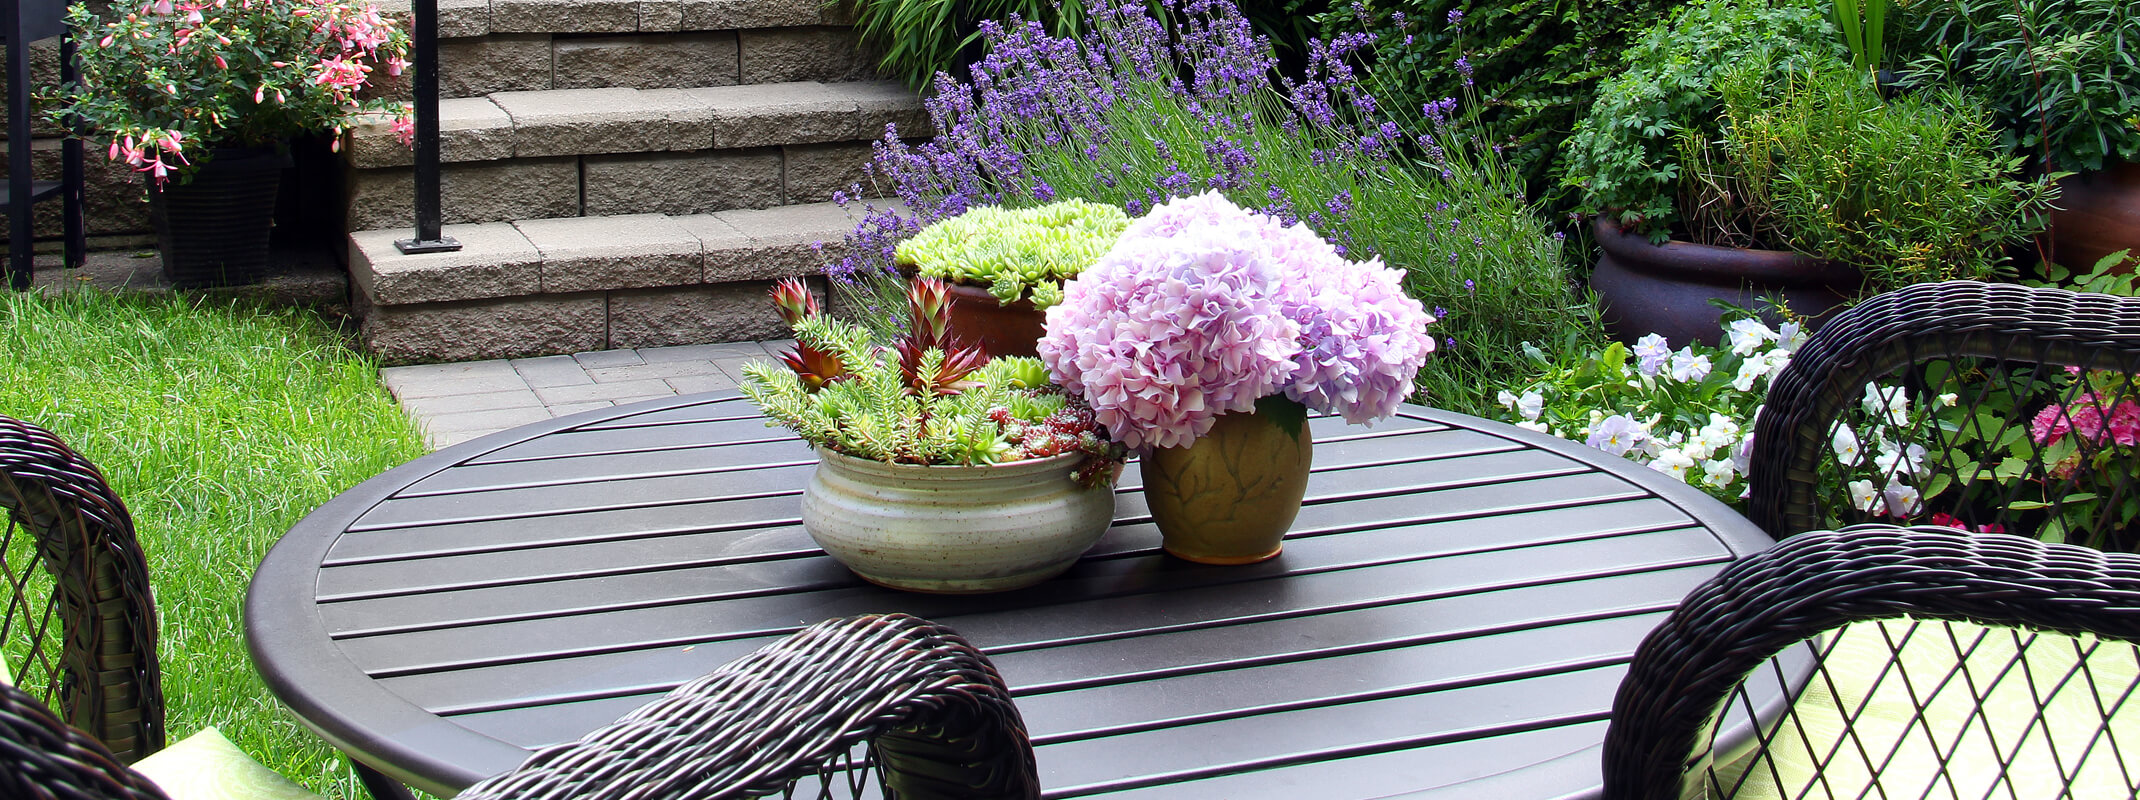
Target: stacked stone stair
[620, 173]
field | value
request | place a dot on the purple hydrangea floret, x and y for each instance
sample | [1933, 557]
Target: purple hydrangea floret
[1203, 307]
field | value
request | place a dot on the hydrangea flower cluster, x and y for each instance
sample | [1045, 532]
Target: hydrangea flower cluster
[1202, 308]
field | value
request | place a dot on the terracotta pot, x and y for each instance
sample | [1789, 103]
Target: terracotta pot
[954, 530]
[2100, 216]
[1230, 496]
[977, 316]
[1666, 289]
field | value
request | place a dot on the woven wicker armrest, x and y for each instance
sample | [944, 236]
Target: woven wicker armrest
[41, 757]
[2001, 322]
[939, 719]
[1816, 582]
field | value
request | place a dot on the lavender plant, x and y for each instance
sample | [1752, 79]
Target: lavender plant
[1140, 110]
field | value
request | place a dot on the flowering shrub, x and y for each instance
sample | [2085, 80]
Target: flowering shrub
[1687, 413]
[1138, 111]
[1204, 308]
[168, 80]
[1015, 253]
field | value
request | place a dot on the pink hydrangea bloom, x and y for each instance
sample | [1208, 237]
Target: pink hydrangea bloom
[2050, 424]
[2125, 423]
[1203, 307]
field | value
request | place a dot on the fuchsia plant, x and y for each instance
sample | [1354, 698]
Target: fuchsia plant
[1203, 308]
[171, 79]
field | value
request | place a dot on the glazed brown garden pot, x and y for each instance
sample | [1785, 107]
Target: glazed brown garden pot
[2099, 215]
[1666, 289]
[977, 316]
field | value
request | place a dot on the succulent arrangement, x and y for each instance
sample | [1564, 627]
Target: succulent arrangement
[924, 399]
[1015, 253]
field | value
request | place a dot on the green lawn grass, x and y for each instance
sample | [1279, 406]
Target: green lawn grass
[220, 424]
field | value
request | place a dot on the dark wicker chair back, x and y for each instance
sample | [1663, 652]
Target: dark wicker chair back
[42, 757]
[78, 628]
[1991, 406]
[1946, 660]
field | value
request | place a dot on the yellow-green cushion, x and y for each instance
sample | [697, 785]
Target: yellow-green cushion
[207, 766]
[1907, 747]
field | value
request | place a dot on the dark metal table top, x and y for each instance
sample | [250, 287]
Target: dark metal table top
[1454, 608]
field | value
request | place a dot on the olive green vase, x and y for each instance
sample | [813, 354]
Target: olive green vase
[1230, 496]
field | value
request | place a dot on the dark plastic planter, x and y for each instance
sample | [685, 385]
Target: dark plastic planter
[2099, 215]
[1666, 288]
[213, 230]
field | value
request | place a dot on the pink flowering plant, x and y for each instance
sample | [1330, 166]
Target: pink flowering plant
[169, 79]
[1203, 308]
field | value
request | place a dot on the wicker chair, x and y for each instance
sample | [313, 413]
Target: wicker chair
[79, 626]
[1953, 660]
[879, 697]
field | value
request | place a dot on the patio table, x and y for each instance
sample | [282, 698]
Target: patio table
[1452, 613]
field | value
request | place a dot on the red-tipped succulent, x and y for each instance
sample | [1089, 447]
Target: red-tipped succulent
[929, 328]
[815, 367]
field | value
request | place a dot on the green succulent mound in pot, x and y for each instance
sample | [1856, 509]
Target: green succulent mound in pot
[1016, 253]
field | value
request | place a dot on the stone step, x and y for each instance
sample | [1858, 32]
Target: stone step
[603, 152]
[490, 46]
[567, 285]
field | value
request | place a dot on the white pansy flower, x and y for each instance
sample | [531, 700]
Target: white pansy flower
[1534, 425]
[1506, 398]
[1718, 473]
[1530, 405]
[1902, 500]
[1650, 354]
[1789, 336]
[1698, 447]
[1674, 463]
[1948, 399]
[1688, 367]
[1748, 335]
[1865, 497]
[1894, 460]
[1845, 442]
[1754, 368]
[1893, 401]
[1721, 429]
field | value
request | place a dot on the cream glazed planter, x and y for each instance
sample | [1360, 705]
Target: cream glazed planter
[954, 530]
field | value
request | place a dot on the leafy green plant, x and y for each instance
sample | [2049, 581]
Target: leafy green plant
[1906, 190]
[1533, 65]
[1624, 153]
[923, 400]
[2062, 77]
[2109, 275]
[1016, 252]
[915, 39]
[1864, 27]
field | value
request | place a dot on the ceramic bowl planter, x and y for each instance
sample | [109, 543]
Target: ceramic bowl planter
[1666, 289]
[954, 529]
[1002, 330]
[1230, 496]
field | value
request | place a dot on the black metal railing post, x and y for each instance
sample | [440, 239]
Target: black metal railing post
[430, 237]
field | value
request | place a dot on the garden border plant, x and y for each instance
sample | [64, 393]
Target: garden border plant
[1141, 110]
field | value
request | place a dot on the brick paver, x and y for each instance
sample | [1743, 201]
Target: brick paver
[453, 403]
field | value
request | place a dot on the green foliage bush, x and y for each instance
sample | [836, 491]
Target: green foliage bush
[2062, 77]
[1624, 154]
[1908, 189]
[1534, 65]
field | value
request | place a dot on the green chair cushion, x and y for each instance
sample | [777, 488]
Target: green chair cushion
[2002, 726]
[207, 766]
